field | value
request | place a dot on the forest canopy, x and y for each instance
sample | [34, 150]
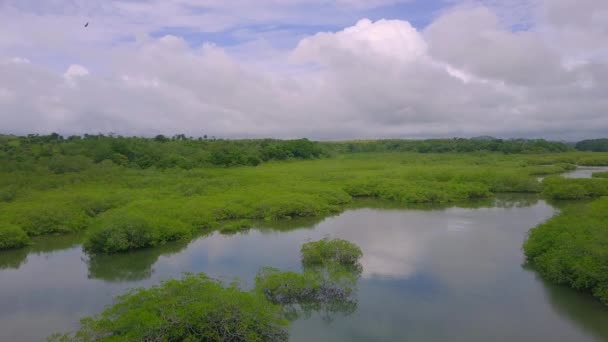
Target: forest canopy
[76, 153]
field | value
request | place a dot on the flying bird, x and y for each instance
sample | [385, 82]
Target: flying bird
[87, 24]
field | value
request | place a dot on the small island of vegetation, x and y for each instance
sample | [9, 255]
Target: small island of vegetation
[199, 308]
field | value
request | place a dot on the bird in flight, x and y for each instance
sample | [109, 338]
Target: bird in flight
[87, 24]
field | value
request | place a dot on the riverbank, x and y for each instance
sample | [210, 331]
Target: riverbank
[124, 209]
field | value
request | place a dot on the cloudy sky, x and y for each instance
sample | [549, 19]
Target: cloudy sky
[323, 69]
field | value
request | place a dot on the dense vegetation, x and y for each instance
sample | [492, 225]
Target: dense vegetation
[560, 188]
[125, 194]
[129, 193]
[121, 208]
[600, 174]
[572, 248]
[336, 252]
[198, 308]
[12, 236]
[456, 145]
[75, 153]
[195, 308]
[594, 145]
[326, 284]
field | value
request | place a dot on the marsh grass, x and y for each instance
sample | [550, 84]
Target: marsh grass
[123, 208]
[572, 248]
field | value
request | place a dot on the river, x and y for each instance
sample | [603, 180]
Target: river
[429, 274]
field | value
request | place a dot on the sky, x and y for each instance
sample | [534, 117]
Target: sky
[322, 69]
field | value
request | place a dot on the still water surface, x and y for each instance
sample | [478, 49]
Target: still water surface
[429, 274]
[585, 171]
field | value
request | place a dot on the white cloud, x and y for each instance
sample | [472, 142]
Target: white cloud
[467, 73]
[74, 72]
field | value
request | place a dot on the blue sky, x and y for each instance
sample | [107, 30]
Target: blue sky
[418, 13]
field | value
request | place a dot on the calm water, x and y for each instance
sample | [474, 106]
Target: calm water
[585, 171]
[429, 274]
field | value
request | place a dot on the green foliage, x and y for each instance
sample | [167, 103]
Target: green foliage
[198, 308]
[594, 161]
[76, 154]
[600, 174]
[234, 227]
[455, 145]
[121, 231]
[98, 203]
[12, 236]
[561, 188]
[48, 217]
[8, 193]
[195, 308]
[595, 145]
[172, 185]
[571, 248]
[63, 164]
[327, 284]
[326, 251]
[312, 291]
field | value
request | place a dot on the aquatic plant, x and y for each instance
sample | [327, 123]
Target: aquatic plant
[561, 188]
[12, 236]
[328, 252]
[571, 248]
[177, 201]
[194, 308]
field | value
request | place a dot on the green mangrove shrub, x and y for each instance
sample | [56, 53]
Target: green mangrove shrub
[326, 252]
[194, 308]
[603, 174]
[12, 236]
[120, 231]
[560, 188]
[325, 291]
[571, 248]
[51, 217]
[234, 227]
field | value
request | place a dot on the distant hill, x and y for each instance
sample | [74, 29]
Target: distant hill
[594, 145]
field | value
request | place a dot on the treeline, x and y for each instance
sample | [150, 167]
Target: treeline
[76, 153]
[593, 145]
[455, 145]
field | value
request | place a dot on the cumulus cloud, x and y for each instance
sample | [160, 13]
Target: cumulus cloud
[466, 73]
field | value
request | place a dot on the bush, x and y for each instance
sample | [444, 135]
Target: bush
[122, 231]
[97, 204]
[12, 236]
[571, 248]
[336, 251]
[603, 174]
[561, 188]
[594, 161]
[235, 226]
[63, 164]
[195, 308]
[327, 284]
[292, 206]
[50, 218]
[8, 193]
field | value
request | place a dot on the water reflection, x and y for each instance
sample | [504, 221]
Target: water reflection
[449, 272]
[328, 291]
[585, 310]
[585, 171]
[14, 259]
[128, 267]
